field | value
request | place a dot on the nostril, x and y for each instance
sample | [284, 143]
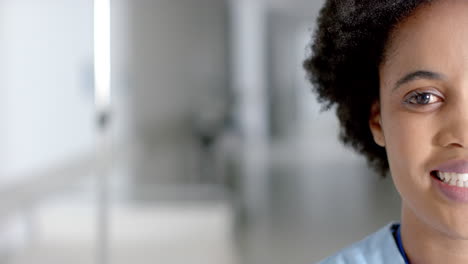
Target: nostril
[453, 138]
[456, 145]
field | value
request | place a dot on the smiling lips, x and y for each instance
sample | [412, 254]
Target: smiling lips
[453, 172]
[455, 166]
[453, 180]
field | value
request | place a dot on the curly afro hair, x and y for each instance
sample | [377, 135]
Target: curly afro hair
[347, 50]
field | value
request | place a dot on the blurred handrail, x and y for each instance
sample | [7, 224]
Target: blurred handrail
[38, 184]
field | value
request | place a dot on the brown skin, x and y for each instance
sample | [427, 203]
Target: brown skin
[421, 134]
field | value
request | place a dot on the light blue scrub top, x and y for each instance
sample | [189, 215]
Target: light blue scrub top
[378, 248]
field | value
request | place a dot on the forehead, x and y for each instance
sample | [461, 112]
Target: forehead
[435, 35]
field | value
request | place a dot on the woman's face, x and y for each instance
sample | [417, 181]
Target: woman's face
[423, 115]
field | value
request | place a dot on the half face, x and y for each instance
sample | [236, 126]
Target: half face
[423, 114]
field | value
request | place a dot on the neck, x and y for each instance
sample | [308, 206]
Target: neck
[425, 244]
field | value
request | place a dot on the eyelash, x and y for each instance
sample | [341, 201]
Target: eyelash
[414, 96]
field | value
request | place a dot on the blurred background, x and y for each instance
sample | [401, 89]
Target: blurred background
[212, 150]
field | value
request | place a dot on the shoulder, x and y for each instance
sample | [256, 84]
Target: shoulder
[377, 248]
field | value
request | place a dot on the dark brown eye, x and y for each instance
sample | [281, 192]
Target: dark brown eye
[422, 98]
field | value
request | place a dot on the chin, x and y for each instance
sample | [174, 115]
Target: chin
[454, 228]
[459, 232]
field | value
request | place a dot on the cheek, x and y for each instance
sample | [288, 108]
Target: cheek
[408, 143]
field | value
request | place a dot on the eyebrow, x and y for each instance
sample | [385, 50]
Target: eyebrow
[417, 75]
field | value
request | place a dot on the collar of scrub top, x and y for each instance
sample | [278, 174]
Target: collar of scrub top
[400, 244]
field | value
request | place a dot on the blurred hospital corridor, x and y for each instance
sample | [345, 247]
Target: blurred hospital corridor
[172, 131]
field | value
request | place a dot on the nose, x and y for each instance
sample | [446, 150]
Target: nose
[454, 129]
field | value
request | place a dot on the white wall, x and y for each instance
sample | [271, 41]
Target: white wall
[46, 83]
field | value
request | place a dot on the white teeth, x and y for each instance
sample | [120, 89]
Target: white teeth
[455, 179]
[440, 176]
